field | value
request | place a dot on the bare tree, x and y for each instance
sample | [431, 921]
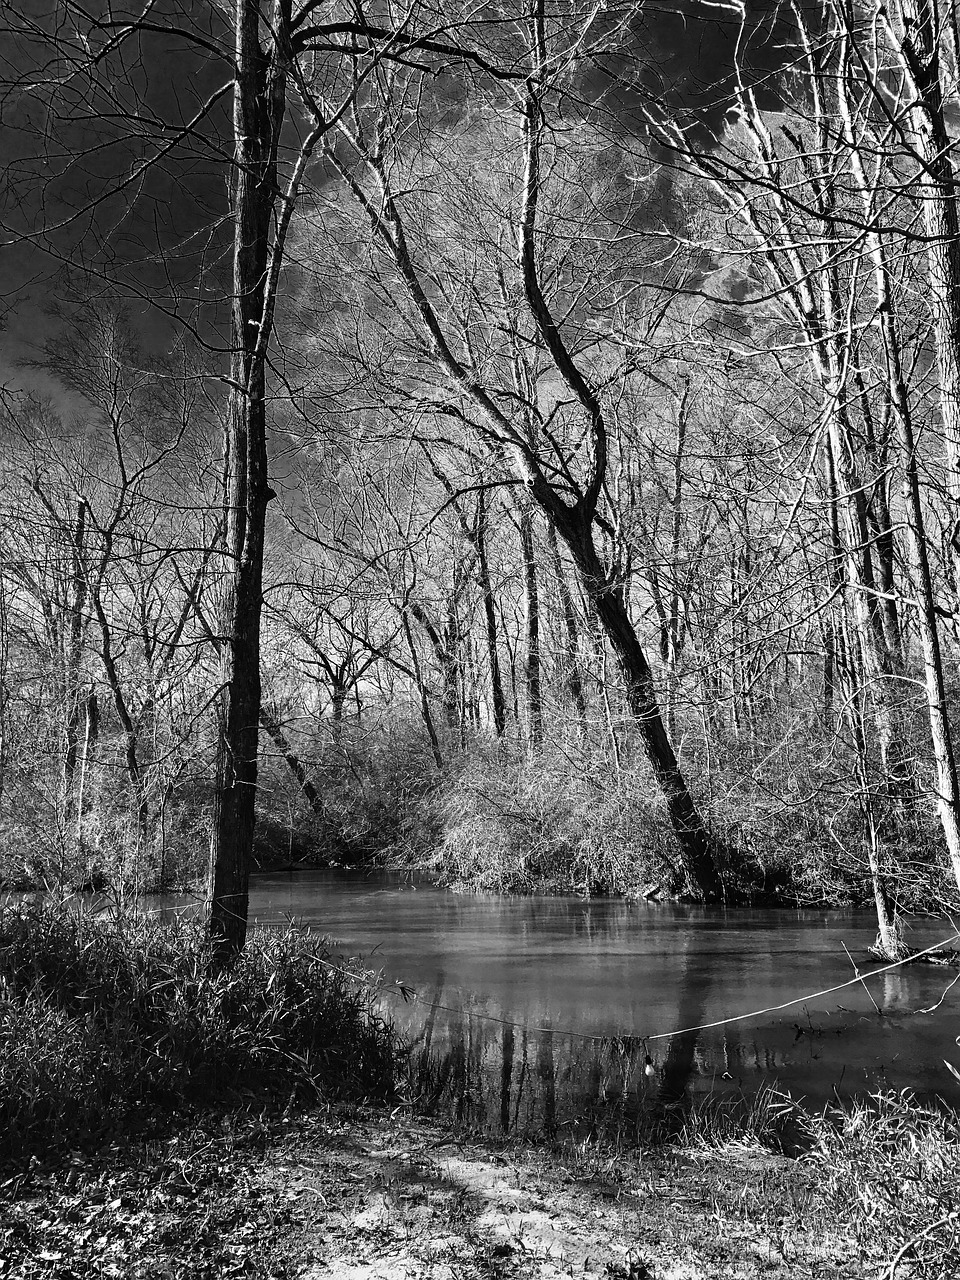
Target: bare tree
[571, 502]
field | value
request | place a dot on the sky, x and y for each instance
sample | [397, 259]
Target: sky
[99, 173]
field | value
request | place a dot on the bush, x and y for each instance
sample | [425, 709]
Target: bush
[110, 1023]
[552, 823]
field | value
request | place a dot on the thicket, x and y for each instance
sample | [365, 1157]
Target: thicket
[577, 816]
[114, 1025]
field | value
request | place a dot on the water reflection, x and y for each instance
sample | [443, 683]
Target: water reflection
[532, 1013]
[533, 1079]
[695, 987]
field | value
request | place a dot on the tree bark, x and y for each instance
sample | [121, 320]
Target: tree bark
[130, 736]
[916, 40]
[74, 654]
[532, 688]
[259, 100]
[574, 678]
[948, 784]
[490, 617]
[696, 843]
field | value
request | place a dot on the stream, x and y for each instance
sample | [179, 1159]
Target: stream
[538, 1012]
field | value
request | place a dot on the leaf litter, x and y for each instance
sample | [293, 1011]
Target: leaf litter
[358, 1194]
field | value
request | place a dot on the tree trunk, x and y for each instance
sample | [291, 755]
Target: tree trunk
[697, 845]
[424, 700]
[490, 615]
[454, 675]
[445, 647]
[279, 740]
[533, 693]
[130, 736]
[948, 785]
[258, 113]
[676, 529]
[574, 679]
[74, 654]
[917, 42]
[92, 717]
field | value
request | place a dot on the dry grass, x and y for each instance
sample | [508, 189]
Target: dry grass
[113, 1024]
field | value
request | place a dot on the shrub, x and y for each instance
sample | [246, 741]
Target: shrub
[109, 1023]
[552, 823]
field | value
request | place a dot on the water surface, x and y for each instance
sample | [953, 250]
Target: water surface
[543, 1010]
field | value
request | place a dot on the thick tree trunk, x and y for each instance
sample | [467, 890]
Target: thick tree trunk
[697, 845]
[258, 112]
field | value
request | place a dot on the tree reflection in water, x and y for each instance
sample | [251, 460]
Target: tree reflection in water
[508, 1077]
[673, 1095]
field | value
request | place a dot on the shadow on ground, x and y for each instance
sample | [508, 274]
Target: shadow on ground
[346, 1195]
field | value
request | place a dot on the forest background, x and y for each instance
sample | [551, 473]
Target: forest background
[522, 442]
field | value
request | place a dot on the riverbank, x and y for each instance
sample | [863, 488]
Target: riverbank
[164, 1120]
[358, 1195]
[347, 1193]
[111, 1025]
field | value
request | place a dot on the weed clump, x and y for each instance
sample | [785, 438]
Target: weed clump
[889, 1165]
[108, 1025]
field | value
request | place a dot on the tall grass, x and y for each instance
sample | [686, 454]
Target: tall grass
[769, 1118]
[886, 1167]
[890, 1167]
[108, 1024]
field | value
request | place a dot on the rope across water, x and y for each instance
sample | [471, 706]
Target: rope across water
[406, 994]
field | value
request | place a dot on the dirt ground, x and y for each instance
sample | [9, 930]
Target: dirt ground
[349, 1195]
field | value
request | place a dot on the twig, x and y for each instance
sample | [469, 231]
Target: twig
[862, 983]
[934, 1007]
[905, 1249]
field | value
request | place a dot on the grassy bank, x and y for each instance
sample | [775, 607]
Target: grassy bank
[113, 1025]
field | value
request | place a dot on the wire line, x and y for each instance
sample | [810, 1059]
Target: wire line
[404, 994]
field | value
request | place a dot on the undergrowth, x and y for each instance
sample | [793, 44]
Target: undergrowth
[885, 1166]
[527, 825]
[889, 1165]
[110, 1025]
